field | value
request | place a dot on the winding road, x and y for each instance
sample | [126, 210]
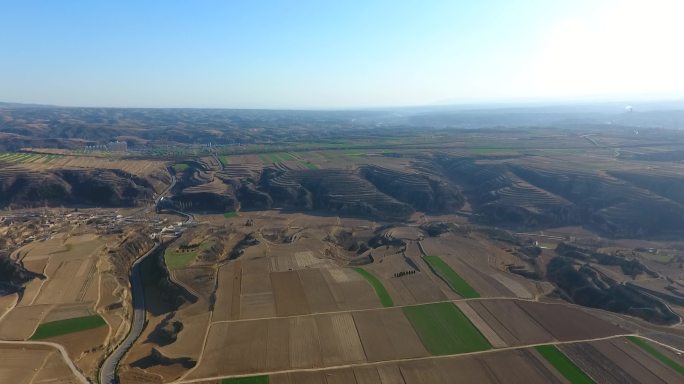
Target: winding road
[108, 368]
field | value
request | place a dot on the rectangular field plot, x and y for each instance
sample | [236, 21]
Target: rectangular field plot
[387, 334]
[521, 366]
[290, 298]
[380, 290]
[564, 365]
[455, 281]
[618, 361]
[653, 351]
[510, 322]
[568, 323]
[256, 346]
[63, 327]
[444, 329]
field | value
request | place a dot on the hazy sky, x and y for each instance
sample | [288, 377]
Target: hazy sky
[322, 54]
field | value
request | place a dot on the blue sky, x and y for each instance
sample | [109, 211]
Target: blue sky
[336, 54]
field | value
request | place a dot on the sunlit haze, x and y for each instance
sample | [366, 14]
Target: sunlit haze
[347, 54]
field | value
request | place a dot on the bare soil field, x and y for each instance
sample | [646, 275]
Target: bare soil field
[254, 346]
[470, 260]
[85, 348]
[607, 364]
[24, 364]
[318, 293]
[494, 339]
[420, 287]
[290, 298]
[636, 362]
[510, 322]
[190, 339]
[21, 322]
[350, 290]
[520, 366]
[387, 334]
[566, 323]
[227, 305]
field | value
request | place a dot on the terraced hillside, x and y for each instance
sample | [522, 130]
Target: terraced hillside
[103, 187]
[424, 193]
[533, 192]
[341, 191]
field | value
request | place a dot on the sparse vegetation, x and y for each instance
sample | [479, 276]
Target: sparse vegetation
[182, 257]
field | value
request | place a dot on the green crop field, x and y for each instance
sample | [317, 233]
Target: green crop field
[455, 281]
[246, 380]
[564, 365]
[180, 167]
[230, 215]
[19, 157]
[382, 293]
[177, 259]
[444, 329]
[63, 327]
[224, 160]
[643, 344]
[310, 165]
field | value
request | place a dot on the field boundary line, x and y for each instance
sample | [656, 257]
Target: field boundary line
[62, 351]
[388, 308]
[366, 364]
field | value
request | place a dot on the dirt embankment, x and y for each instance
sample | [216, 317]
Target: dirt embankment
[136, 242]
[162, 294]
[13, 276]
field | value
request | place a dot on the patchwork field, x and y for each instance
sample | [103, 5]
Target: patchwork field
[61, 308]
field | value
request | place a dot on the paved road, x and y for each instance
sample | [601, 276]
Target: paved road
[108, 369]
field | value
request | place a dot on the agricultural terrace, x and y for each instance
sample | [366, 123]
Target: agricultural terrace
[657, 354]
[20, 157]
[444, 329]
[564, 365]
[180, 167]
[63, 327]
[182, 257]
[271, 158]
[382, 293]
[225, 160]
[456, 282]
